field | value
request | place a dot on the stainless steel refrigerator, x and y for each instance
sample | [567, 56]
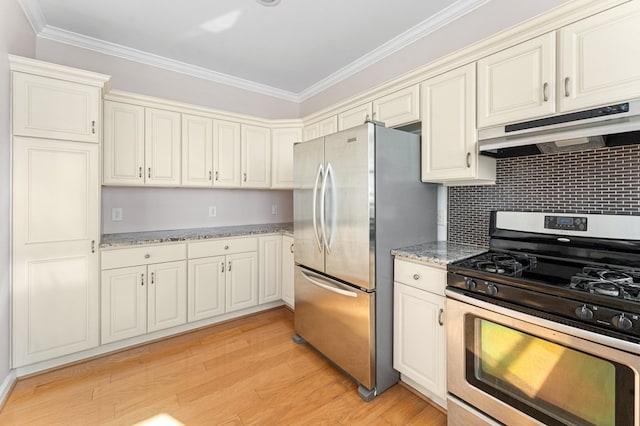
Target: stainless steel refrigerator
[357, 195]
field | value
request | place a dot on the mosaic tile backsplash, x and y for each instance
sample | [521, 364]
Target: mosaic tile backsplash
[598, 181]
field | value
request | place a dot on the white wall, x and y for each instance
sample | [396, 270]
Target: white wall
[146, 209]
[16, 37]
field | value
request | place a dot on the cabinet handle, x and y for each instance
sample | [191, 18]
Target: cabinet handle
[140, 171]
[416, 277]
[291, 248]
[222, 267]
[217, 176]
[149, 173]
[152, 277]
[93, 246]
[545, 91]
[566, 87]
[209, 175]
[440, 320]
[93, 127]
[146, 256]
[229, 268]
[468, 160]
[244, 177]
[142, 279]
[366, 118]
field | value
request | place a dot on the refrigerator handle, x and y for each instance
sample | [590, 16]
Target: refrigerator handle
[329, 287]
[328, 241]
[319, 175]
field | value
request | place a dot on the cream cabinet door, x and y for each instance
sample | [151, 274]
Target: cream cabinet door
[50, 108]
[518, 83]
[600, 59]
[328, 126]
[197, 151]
[162, 147]
[355, 116]
[288, 265]
[419, 339]
[241, 281]
[167, 295]
[270, 261]
[123, 152]
[226, 154]
[56, 229]
[398, 108]
[206, 287]
[256, 156]
[282, 156]
[449, 136]
[311, 132]
[124, 303]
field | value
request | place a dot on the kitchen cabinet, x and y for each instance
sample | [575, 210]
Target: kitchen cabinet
[53, 108]
[232, 286]
[518, 83]
[282, 156]
[270, 261]
[56, 229]
[144, 289]
[321, 128]
[141, 145]
[288, 269]
[197, 151]
[162, 147]
[256, 156]
[226, 154]
[398, 108]
[419, 337]
[449, 136]
[599, 60]
[355, 116]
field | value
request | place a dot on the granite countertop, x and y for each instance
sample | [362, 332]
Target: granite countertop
[438, 252]
[193, 234]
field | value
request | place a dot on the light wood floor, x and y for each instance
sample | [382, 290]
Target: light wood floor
[243, 372]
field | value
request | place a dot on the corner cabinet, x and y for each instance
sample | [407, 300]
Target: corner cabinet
[419, 336]
[282, 156]
[449, 136]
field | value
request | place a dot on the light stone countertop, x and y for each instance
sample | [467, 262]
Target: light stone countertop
[193, 234]
[438, 252]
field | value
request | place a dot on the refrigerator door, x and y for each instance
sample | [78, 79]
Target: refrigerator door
[308, 173]
[348, 201]
[338, 320]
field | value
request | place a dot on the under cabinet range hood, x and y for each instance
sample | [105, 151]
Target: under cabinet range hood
[611, 125]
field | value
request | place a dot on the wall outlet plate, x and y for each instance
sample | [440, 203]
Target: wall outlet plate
[212, 211]
[274, 209]
[116, 214]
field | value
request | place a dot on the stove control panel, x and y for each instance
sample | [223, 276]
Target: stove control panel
[566, 223]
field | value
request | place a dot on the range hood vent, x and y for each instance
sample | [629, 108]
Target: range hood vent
[612, 125]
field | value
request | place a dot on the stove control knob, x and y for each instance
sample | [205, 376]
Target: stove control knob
[584, 313]
[621, 322]
[492, 290]
[470, 284]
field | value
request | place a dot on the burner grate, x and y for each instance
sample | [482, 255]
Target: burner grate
[623, 283]
[501, 264]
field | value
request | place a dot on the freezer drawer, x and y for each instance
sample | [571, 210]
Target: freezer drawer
[338, 320]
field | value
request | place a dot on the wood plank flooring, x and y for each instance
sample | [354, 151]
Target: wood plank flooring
[243, 372]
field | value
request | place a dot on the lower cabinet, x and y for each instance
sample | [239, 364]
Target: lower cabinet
[270, 288]
[288, 264]
[141, 299]
[419, 338]
[242, 281]
[206, 288]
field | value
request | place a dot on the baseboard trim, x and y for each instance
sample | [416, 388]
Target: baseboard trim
[7, 386]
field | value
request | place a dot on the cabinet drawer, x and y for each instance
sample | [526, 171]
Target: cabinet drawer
[222, 247]
[120, 258]
[429, 278]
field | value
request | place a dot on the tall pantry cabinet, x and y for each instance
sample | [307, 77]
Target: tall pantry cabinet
[57, 132]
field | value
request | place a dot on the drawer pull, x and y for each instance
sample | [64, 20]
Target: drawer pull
[416, 277]
[440, 319]
[147, 256]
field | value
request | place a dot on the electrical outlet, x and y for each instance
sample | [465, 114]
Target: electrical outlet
[274, 209]
[212, 211]
[116, 214]
[441, 217]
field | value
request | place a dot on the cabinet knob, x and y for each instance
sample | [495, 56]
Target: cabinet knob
[146, 256]
[416, 277]
[226, 247]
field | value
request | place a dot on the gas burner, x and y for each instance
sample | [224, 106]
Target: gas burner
[608, 281]
[606, 288]
[501, 263]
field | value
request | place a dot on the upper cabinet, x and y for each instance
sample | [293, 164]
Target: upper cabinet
[256, 156]
[321, 128]
[600, 59]
[398, 108]
[162, 147]
[282, 156]
[355, 116]
[46, 107]
[518, 83]
[449, 136]
[226, 154]
[197, 151]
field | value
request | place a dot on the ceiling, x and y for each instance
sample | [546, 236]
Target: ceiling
[291, 50]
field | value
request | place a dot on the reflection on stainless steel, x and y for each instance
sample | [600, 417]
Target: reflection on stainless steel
[357, 195]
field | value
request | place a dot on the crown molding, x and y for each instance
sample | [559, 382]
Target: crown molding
[38, 22]
[424, 28]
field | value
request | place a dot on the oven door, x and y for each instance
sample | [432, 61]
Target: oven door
[524, 370]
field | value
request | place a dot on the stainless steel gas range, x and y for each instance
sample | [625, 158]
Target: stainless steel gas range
[544, 328]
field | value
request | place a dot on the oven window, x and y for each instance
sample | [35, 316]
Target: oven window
[550, 382]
